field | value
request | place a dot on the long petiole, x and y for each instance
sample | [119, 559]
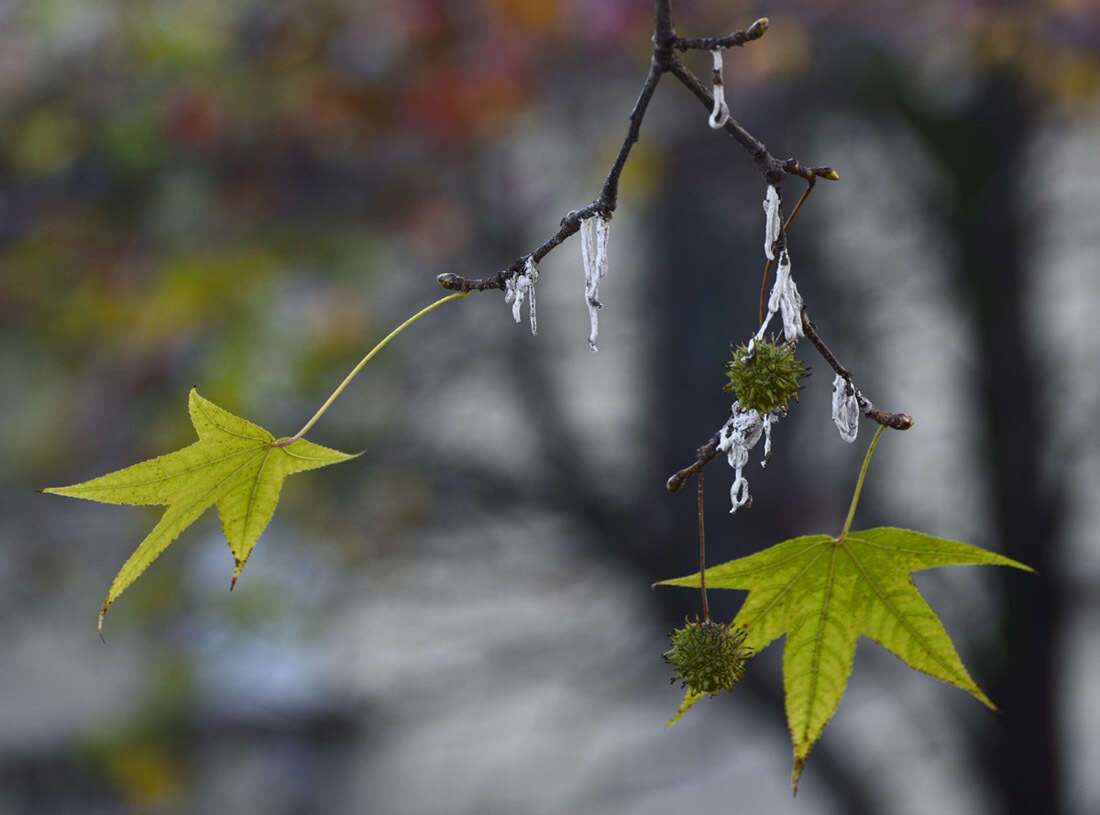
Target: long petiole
[859, 484]
[702, 553]
[370, 355]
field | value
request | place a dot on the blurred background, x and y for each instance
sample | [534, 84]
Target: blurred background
[245, 196]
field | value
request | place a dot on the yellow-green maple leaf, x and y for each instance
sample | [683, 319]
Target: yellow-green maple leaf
[823, 593]
[235, 464]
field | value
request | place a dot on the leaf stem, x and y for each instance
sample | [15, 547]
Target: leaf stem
[370, 355]
[702, 553]
[859, 484]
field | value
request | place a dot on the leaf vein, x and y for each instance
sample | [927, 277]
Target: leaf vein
[306, 458]
[818, 640]
[217, 486]
[902, 620]
[206, 415]
[196, 468]
[252, 496]
[784, 590]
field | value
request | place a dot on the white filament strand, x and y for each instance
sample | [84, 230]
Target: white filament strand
[721, 113]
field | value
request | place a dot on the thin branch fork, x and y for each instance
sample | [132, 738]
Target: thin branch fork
[703, 456]
[663, 60]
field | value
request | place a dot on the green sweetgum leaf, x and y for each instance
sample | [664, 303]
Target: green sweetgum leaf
[235, 464]
[823, 593]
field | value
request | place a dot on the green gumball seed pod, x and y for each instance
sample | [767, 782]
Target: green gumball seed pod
[765, 375]
[708, 656]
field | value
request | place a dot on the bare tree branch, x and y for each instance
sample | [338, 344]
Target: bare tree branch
[664, 60]
[736, 39]
[664, 40]
[604, 204]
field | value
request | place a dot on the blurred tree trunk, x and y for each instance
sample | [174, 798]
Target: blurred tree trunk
[993, 238]
[981, 148]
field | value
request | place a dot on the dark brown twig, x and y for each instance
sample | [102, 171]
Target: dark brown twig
[737, 38]
[897, 421]
[663, 33]
[705, 454]
[604, 205]
[772, 168]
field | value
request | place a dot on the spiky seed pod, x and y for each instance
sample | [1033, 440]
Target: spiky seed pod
[708, 656]
[766, 376]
